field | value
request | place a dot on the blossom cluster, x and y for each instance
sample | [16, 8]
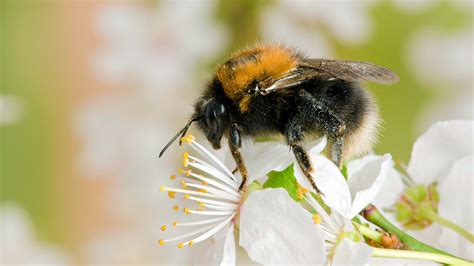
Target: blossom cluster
[278, 219]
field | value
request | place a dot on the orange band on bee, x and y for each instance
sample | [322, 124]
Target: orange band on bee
[269, 62]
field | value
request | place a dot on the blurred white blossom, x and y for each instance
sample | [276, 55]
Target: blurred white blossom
[353, 24]
[11, 109]
[443, 61]
[18, 242]
[155, 51]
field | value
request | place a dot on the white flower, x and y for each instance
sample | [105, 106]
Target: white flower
[278, 230]
[19, 245]
[444, 154]
[217, 197]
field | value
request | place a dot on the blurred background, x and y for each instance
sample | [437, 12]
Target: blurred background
[92, 90]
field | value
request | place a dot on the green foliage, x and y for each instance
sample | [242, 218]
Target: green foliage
[284, 179]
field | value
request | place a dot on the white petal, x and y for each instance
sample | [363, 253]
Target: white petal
[211, 251]
[392, 189]
[263, 157]
[366, 183]
[228, 257]
[392, 186]
[316, 146]
[274, 229]
[435, 151]
[357, 164]
[456, 198]
[351, 253]
[330, 181]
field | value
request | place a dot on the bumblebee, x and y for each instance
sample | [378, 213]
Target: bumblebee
[273, 89]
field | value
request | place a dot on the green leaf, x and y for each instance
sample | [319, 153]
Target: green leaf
[284, 179]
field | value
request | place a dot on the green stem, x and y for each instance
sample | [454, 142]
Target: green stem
[417, 255]
[369, 233]
[434, 217]
[374, 216]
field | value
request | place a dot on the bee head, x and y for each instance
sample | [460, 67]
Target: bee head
[213, 120]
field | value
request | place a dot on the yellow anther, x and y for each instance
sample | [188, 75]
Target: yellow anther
[180, 245]
[202, 190]
[205, 183]
[201, 208]
[188, 139]
[186, 196]
[163, 228]
[190, 243]
[185, 159]
[161, 242]
[162, 188]
[173, 177]
[175, 223]
[316, 219]
[171, 194]
[185, 172]
[175, 207]
[200, 203]
[300, 191]
[186, 210]
[183, 184]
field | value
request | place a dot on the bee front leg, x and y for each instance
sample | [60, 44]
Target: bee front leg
[235, 142]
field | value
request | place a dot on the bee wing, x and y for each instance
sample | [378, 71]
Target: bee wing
[355, 71]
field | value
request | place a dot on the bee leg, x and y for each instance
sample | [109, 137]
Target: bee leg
[235, 142]
[294, 135]
[334, 125]
[335, 148]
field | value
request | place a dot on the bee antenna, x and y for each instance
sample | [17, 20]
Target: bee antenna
[181, 133]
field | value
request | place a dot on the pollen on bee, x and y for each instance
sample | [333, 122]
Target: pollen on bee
[171, 194]
[175, 207]
[163, 228]
[161, 242]
[316, 219]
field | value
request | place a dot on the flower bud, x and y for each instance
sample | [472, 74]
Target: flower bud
[411, 208]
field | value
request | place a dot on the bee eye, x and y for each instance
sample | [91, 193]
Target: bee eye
[214, 112]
